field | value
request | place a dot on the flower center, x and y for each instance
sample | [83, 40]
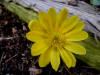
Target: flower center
[56, 37]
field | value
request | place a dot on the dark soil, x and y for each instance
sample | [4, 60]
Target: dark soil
[15, 56]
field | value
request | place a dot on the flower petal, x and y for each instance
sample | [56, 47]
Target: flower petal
[38, 48]
[76, 36]
[55, 59]
[79, 26]
[61, 17]
[73, 59]
[65, 57]
[33, 25]
[35, 36]
[68, 24]
[75, 48]
[44, 58]
[53, 14]
[45, 20]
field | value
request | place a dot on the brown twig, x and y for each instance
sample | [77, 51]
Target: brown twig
[11, 58]
[1, 57]
[7, 38]
[68, 70]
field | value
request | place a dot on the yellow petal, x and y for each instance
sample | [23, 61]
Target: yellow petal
[55, 59]
[61, 17]
[38, 48]
[44, 58]
[73, 58]
[45, 20]
[65, 57]
[76, 36]
[35, 36]
[79, 26]
[33, 25]
[68, 24]
[53, 14]
[75, 48]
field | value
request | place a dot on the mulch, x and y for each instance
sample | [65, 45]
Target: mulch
[15, 56]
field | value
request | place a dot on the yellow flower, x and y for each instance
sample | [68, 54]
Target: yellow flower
[55, 36]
